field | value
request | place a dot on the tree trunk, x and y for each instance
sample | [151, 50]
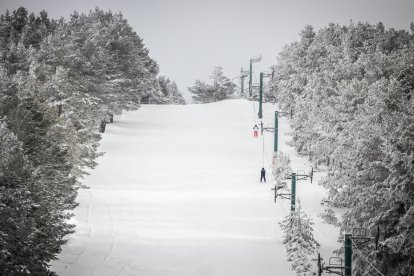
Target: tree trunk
[102, 126]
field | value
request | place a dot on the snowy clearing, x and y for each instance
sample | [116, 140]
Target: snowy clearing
[178, 193]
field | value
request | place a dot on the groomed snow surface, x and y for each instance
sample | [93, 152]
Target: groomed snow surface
[178, 193]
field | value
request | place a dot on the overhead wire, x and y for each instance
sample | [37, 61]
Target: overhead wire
[254, 113]
[263, 151]
[263, 140]
[362, 255]
[266, 153]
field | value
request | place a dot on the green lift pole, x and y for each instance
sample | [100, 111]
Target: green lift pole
[250, 78]
[348, 254]
[276, 130]
[243, 74]
[242, 86]
[261, 96]
[252, 60]
[262, 75]
[293, 193]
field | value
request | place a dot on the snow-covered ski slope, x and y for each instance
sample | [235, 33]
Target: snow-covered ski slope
[178, 193]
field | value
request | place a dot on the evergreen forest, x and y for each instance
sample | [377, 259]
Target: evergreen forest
[61, 82]
[350, 90]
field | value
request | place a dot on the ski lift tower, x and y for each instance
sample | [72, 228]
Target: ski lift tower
[252, 60]
[262, 75]
[243, 74]
[291, 196]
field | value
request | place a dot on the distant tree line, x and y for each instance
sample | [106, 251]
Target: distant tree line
[350, 89]
[222, 88]
[60, 81]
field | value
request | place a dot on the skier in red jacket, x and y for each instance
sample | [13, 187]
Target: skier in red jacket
[255, 131]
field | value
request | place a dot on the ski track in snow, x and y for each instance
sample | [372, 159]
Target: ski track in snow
[178, 193]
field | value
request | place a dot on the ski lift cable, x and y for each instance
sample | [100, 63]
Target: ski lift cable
[269, 158]
[362, 254]
[284, 209]
[265, 153]
[263, 150]
[254, 113]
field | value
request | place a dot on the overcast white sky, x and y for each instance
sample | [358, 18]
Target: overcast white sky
[189, 37]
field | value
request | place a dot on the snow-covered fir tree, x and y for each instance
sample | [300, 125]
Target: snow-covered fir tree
[58, 81]
[351, 91]
[170, 92]
[300, 244]
[221, 88]
[281, 169]
[328, 215]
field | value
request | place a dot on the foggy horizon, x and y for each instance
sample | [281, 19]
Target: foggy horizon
[189, 38]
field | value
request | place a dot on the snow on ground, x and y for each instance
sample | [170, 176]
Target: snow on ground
[178, 193]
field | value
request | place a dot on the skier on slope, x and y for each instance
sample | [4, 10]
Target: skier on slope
[255, 131]
[263, 175]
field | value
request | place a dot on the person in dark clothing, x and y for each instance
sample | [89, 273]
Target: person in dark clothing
[263, 175]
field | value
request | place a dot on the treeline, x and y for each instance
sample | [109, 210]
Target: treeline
[60, 82]
[351, 92]
[221, 88]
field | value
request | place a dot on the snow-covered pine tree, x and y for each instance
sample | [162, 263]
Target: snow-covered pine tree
[222, 88]
[169, 90]
[16, 203]
[33, 221]
[280, 169]
[175, 95]
[328, 215]
[203, 92]
[300, 244]
[57, 81]
[352, 89]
